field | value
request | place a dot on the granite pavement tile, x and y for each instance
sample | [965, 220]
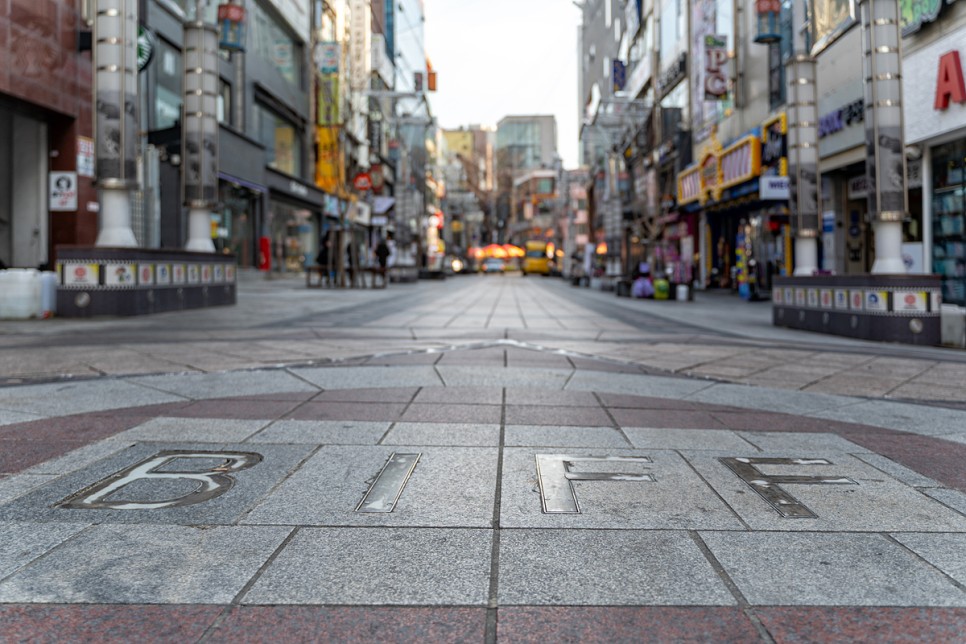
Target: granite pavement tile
[322, 432]
[546, 415]
[84, 428]
[838, 507]
[375, 412]
[16, 485]
[452, 413]
[550, 397]
[829, 569]
[379, 566]
[691, 439]
[463, 395]
[767, 399]
[249, 485]
[79, 458]
[368, 395]
[227, 384]
[259, 624]
[564, 436]
[363, 377]
[8, 417]
[606, 568]
[470, 376]
[918, 419]
[453, 434]
[666, 418]
[933, 457]
[951, 498]
[63, 398]
[238, 409]
[625, 624]
[105, 624]
[800, 442]
[676, 499]
[192, 430]
[21, 543]
[899, 472]
[449, 487]
[765, 421]
[906, 625]
[631, 401]
[114, 564]
[945, 551]
[18, 455]
[640, 385]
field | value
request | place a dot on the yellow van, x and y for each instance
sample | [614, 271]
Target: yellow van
[538, 258]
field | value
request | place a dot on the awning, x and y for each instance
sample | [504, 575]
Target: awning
[381, 204]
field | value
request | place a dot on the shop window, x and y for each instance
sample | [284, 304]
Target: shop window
[281, 140]
[949, 220]
[270, 42]
[224, 103]
[168, 92]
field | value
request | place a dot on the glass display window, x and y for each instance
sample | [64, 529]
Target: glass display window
[949, 219]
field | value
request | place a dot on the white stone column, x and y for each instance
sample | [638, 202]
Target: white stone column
[116, 118]
[884, 140]
[200, 130]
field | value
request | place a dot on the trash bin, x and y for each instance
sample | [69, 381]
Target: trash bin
[682, 293]
[19, 293]
[662, 289]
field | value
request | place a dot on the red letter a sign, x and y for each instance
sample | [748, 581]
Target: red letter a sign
[949, 81]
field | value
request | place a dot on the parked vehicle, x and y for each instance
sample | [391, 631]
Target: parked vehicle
[538, 258]
[493, 265]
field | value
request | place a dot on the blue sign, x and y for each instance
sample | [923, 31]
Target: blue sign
[619, 75]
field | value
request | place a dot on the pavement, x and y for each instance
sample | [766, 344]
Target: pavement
[466, 482]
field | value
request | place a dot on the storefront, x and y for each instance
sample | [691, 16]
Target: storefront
[293, 222]
[934, 88]
[743, 226]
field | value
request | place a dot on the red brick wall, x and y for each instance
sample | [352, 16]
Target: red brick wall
[39, 64]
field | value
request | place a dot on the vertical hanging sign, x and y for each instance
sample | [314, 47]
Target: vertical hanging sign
[715, 67]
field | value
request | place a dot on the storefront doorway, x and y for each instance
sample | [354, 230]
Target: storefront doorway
[23, 190]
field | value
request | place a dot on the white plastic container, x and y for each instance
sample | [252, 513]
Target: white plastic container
[682, 293]
[19, 293]
[48, 294]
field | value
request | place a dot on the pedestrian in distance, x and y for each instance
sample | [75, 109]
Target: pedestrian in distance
[382, 259]
[324, 260]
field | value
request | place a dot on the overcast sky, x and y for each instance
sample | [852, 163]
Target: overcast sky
[500, 57]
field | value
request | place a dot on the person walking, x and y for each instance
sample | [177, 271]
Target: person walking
[324, 260]
[382, 258]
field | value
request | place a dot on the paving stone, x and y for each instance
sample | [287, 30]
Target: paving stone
[259, 624]
[648, 402]
[364, 377]
[764, 398]
[918, 419]
[449, 487]
[621, 383]
[463, 376]
[932, 457]
[85, 623]
[606, 568]
[945, 551]
[877, 502]
[822, 569]
[757, 421]
[666, 418]
[952, 498]
[692, 439]
[550, 397]
[375, 395]
[249, 485]
[546, 415]
[79, 397]
[322, 432]
[801, 625]
[17, 455]
[8, 417]
[624, 624]
[564, 436]
[452, 413]
[192, 430]
[677, 499]
[464, 395]
[115, 564]
[801, 442]
[16, 485]
[239, 409]
[897, 471]
[79, 458]
[226, 384]
[374, 412]
[453, 434]
[388, 566]
[21, 543]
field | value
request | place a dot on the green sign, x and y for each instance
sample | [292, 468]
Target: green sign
[914, 13]
[145, 47]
